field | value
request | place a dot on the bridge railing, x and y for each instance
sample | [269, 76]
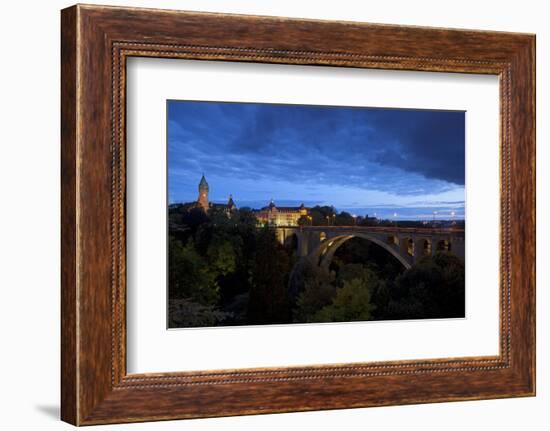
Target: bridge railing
[378, 229]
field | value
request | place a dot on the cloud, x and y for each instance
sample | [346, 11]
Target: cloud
[396, 151]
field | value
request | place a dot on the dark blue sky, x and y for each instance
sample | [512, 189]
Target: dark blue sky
[361, 160]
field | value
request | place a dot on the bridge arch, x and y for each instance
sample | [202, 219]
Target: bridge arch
[323, 254]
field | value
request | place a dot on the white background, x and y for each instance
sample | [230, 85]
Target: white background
[151, 348]
[29, 216]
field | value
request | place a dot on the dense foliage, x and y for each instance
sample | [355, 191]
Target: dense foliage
[228, 271]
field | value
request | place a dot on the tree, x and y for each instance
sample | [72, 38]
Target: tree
[344, 219]
[222, 257]
[189, 275]
[246, 230]
[352, 271]
[269, 300]
[219, 217]
[352, 303]
[184, 219]
[304, 221]
[246, 218]
[433, 288]
[366, 253]
[348, 297]
[319, 215]
[193, 218]
[183, 313]
[316, 292]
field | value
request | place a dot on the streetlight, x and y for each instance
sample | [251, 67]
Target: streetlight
[354, 219]
[435, 214]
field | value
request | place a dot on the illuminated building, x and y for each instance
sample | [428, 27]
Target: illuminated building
[273, 215]
[203, 194]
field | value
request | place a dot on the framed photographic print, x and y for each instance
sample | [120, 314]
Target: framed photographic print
[267, 215]
[252, 260]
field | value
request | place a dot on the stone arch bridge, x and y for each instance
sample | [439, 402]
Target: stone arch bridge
[407, 245]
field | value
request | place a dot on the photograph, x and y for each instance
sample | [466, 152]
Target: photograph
[301, 214]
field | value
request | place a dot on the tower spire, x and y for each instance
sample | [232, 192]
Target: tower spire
[203, 193]
[231, 203]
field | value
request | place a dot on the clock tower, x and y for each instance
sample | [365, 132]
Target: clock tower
[203, 194]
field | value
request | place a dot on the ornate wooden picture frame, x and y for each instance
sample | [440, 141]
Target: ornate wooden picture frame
[96, 41]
